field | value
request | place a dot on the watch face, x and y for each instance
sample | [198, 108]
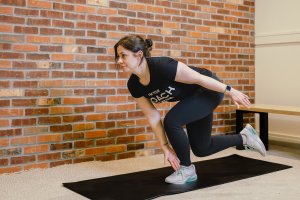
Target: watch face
[228, 88]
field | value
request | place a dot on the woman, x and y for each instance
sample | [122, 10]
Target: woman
[198, 92]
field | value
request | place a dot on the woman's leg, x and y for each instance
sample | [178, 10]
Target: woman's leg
[193, 109]
[201, 141]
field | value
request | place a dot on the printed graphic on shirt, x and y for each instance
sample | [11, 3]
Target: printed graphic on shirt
[158, 97]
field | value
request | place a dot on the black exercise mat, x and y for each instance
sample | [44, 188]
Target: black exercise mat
[150, 184]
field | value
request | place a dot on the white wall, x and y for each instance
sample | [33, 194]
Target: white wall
[277, 63]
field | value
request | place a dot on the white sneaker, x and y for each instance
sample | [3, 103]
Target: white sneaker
[183, 175]
[253, 142]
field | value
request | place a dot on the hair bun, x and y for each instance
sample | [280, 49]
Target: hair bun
[149, 42]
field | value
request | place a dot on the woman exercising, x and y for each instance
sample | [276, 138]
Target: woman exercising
[198, 92]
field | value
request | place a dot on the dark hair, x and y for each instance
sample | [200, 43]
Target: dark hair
[134, 43]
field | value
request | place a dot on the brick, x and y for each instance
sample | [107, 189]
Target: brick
[49, 156]
[73, 118]
[22, 159]
[38, 56]
[3, 162]
[7, 55]
[106, 27]
[115, 149]
[48, 101]
[113, 116]
[84, 144]
[23, 122]
[85, 159]
[74, 83]
[49, 120]
[74, 49]
[36, 93]
[125, 140]
[74, 101]
[73, 154]
[11, 20]
[39, 22]
[26, 12]
[95, 50]
[49, 138]
[10, 169]
[36, 166]
[61, 128]
[36, 111]
[6, 28]
[62, 74]
[105, 142]
[4, 123]
[85, 75]
[61, 146]
[84, 109]
[86, 41]
[84, 92]
[11, 92]
[104, 3]
[61, 92]
[4, 103]
[51, 14]
[4, 64]
[64, 24]
[110, 91]
[86, 25]
[6, 10]
[50, 31]
[23, 140]
[25, 84]
[107, 11]
[96, 117]
[58, 163]
[51, 84]
[85, 9]
[116, 132]
[35, 130]
[69, 32]
[101, 125]
[39, 4]
[95, 134]
[73, 136]
[96, 100]
[126, 155]
[37, 74]
[26, 30]
[60, 6]
[95, 151]
[135, 146]
[27, 48]
[62, 57]
[83, 126]
[4, 142]
[38, 39]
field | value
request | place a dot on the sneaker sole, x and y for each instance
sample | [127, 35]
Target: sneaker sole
[191, 179]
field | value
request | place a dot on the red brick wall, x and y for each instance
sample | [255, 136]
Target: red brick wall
[61, 99]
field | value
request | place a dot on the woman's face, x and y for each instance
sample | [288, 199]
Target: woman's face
[128, 60]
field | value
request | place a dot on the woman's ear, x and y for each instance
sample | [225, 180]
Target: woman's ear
[140, 53]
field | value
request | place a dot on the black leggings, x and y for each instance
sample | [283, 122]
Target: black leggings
[196, 112]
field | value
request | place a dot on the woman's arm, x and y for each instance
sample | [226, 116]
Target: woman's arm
[187, 75]
[153, 117]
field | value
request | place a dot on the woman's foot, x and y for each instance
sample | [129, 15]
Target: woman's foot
[251, 141]
[183, 175]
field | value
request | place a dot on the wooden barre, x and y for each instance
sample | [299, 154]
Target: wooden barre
[287, 110]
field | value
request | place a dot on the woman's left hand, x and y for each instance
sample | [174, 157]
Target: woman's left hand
[238, 98]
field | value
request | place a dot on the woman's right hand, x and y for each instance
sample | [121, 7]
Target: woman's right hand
[171, 157]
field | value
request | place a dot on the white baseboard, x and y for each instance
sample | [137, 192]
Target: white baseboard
[284, 137]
